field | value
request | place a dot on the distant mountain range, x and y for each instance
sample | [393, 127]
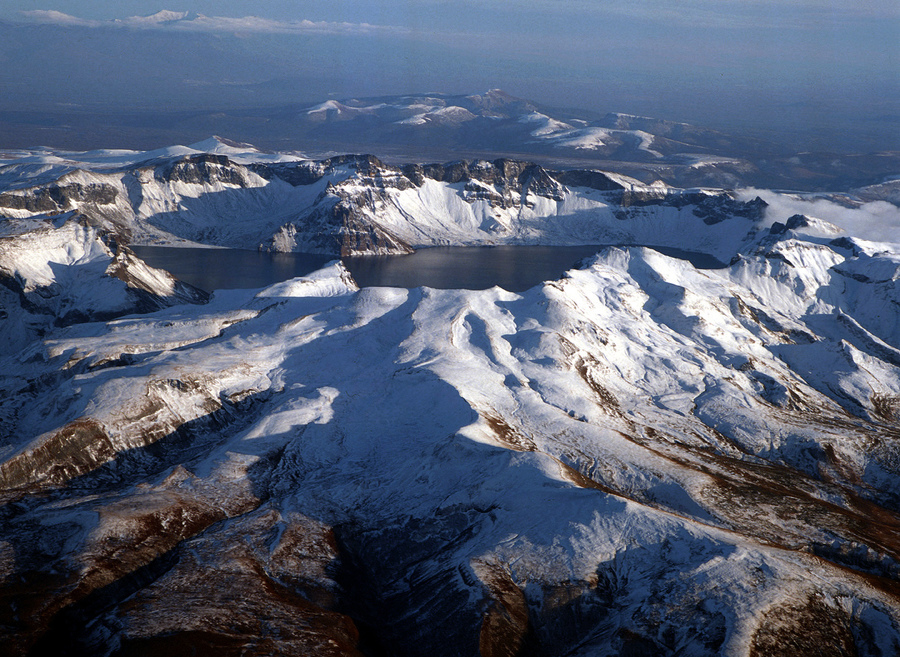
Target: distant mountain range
[441, 127]
[499, 122]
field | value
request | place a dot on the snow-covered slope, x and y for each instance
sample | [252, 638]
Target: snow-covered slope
[639, 458]
[64, 271]
[641, 455]
[357, 204]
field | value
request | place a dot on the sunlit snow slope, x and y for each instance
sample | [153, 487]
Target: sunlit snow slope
[639, 458]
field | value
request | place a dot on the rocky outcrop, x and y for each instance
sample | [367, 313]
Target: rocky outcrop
[202, 169]
[794, 222]
[59, 197]
[359, 236]
[591, 179]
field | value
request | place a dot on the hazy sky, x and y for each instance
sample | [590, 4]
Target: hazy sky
[811, 64]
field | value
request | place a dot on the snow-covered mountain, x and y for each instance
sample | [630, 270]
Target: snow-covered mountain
[438, 127]
[639, 458]
[501, 122]
[494, 123]
[225, 195]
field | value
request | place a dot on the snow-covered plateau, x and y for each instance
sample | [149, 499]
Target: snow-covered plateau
[641, 458]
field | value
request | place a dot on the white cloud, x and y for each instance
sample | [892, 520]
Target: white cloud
[159, 17]
[57, 18]
[878, 221]
[266, 25]
[184, 21]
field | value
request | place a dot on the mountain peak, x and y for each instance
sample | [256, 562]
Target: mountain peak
[497, 95]
[215, 141]
[160, 17]
[497, 100]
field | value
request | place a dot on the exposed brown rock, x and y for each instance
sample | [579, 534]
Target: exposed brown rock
[813, 627]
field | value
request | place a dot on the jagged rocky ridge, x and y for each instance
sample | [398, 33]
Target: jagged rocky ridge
[358, 205]
[639, 458]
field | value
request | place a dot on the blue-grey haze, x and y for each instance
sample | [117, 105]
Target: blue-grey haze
[812, 71]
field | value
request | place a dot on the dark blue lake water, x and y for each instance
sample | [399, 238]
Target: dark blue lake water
[514, 268]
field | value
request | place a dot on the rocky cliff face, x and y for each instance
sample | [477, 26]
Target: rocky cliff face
[60, 197]
[358, 205]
